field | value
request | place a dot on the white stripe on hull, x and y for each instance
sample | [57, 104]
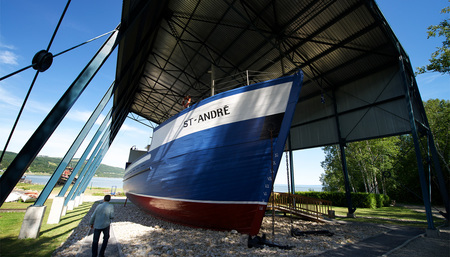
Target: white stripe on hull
[199, 201]
[243, 106]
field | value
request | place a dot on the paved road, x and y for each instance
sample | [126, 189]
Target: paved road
[426, 246]
[112, 250]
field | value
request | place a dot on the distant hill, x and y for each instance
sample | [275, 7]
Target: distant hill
[47, 165]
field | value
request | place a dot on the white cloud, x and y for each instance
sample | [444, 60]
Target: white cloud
[10, 47]
[428, 78]
[83, 116]
[58, 144]
[8, 100]
[62, 138]
[20, 137]
[133, 134]
[126, 128]
[38, 107]
[8, 57]
[117, 156]
[76, 115]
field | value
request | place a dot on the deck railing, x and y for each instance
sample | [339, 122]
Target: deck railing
[301, 204]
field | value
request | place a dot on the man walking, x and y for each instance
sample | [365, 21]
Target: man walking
[100, 221]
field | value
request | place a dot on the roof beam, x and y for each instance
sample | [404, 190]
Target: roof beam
[320, 30]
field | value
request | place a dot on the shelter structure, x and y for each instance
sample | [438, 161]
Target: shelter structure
[359, 83]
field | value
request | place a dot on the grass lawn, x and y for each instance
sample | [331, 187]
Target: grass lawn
[394, 215]
[51, 235]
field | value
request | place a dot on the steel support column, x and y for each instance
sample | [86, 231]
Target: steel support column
[435, 157]
[415, 136]
[85, 154]
[291, 164]
[73, 149]
[83, 175]
[104, 149]
[342, 143]
[440, 176]
[29, 151]
[108, 136]
[437, 166]
[94, 167]
[90, 173]
[348, 194]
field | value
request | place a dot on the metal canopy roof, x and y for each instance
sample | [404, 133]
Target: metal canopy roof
[354, 85]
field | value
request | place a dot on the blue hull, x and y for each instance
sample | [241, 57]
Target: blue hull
[222, 152]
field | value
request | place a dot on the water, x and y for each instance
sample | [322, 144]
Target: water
[284, 188]
[110, 182]
[95, 181]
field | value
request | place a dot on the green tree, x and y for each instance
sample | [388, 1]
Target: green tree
[369, 158]
[333, 178]
[440, 59]
[46, 164]
[403, 184]
[389, 165]
[438, 113]
[366, 162]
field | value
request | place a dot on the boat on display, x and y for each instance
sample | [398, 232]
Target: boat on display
[213, 164]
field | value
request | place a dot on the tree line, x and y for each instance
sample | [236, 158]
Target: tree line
[47, 165]
[388, 165]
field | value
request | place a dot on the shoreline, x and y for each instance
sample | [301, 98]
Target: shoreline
[284, 185]
[48, 174]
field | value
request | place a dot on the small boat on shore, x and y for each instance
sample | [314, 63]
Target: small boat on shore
[213, 164]
[24, 196]
[65, 176]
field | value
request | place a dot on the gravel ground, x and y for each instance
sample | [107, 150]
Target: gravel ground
[140, 234]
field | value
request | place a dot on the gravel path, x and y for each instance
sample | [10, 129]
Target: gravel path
[140, 234]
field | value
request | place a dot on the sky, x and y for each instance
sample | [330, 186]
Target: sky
[26, 27]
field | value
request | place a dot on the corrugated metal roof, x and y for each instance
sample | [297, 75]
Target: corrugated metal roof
[174, 44]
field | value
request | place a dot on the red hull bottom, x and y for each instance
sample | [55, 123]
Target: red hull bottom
[244, 218]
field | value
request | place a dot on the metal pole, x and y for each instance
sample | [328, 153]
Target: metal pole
[429, 165]
[213, 77]
[72, 150]
[248, 79]
[29, 151]
[93, 169]
[415, 135]
[90, 172]
[83, 173]
[85, 154]
[291, 163]
[440, 176]
[348, 194]
[342, 143]
[437, 165]
[98, 155]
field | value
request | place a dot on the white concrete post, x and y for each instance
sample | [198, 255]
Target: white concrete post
[70, 205]
[32, 222]
[55, 212]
